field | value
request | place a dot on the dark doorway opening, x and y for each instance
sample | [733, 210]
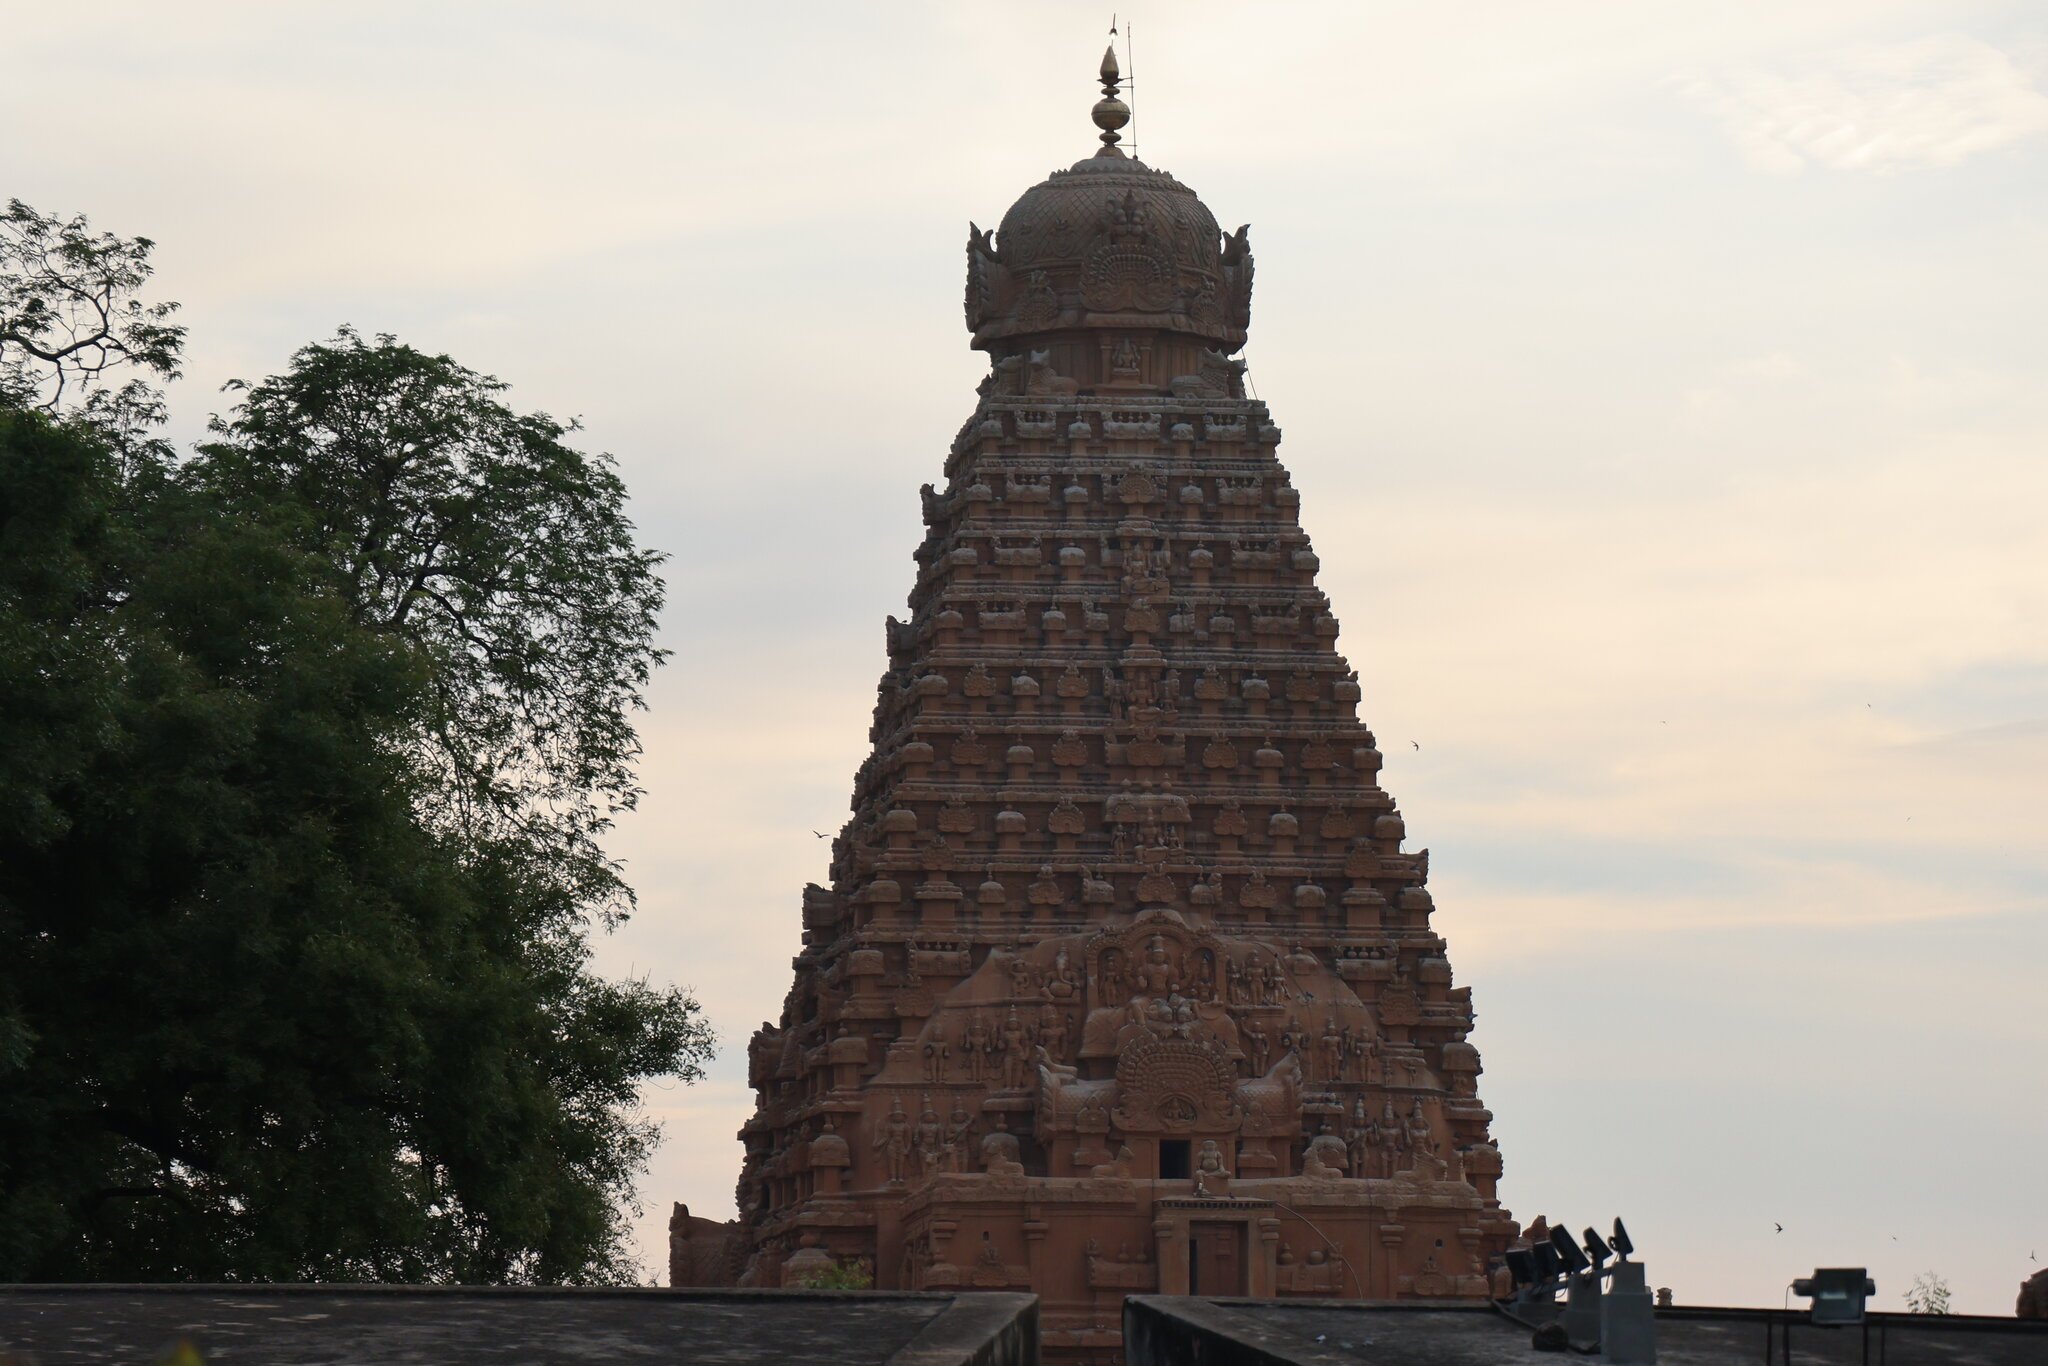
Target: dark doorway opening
[1216, 1259]
[1173, 1159]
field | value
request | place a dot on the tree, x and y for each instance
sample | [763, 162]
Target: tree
[847, 1273]
[479, 535]
[300, 798]
[1929, 1295]
[71, 317]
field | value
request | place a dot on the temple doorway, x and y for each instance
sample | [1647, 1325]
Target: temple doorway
[1216, 1263]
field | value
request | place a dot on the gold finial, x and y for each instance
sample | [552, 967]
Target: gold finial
[1110, 112]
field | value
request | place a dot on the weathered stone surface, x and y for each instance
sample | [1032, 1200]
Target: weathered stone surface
[1122, 902]
[2033, 1298]
[368, 1325]
[700, 1251]
[1162, 1331]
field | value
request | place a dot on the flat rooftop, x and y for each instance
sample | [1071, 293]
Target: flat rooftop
[368, 1325]
[1162, 1329]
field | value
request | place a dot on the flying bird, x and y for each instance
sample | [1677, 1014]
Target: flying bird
[819, 833]
[1416, 743]
[1778, 1226]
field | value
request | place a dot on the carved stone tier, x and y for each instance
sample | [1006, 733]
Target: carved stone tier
[1123, 978]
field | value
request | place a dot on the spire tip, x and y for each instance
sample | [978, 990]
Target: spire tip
[1110, 113]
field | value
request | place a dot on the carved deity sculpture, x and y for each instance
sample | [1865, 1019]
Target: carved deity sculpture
[1000, 1151]
[959, 1129]
[974, 1046]
[1325, 1157]
[1042, 379]
[1110, 981]
[929, 1138]
[1212, 1177]
[1062, 983]
[1261, 1047]
[1362, 1141]
[1331, 1047]
[1155, 977]
[1393, 1140]
[1014, 1043]
[894, 1141]
[1052, 1031]
[1120, 1166]
[1420, 1138]
[1045, 888]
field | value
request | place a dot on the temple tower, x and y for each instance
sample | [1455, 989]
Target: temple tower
[1123, 980]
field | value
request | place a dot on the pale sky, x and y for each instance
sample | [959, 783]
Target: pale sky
[1664, 383]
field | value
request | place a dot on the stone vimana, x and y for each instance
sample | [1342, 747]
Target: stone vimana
[1123, 981]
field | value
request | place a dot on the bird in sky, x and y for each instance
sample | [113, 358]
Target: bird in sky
[1778, 1226]
[1416, 743]
[819, 833]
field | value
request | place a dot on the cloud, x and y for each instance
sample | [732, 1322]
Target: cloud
[1691, 533]
[1933, 101]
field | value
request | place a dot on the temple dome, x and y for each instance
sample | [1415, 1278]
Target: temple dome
[1108, 243]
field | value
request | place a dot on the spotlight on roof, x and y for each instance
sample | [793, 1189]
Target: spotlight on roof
[1622, 1245]
[1548, 1264]
[1522, 1265]
[1568, 1253]
[1597, 1250]
[1838, 1294]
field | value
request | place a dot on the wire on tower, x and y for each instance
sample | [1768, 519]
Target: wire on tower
[1131, 70]
[1131, 65]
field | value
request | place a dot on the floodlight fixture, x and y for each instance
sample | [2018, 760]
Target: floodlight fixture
[1548, 1263]
[1622, 1245]
[1522, 1265]
[1597, 1250]
[1568, 1252]
[1838, 1294]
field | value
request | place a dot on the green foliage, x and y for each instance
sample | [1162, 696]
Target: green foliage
[1928, 1295]
[305, 747]
[70, 315]
[850, 1274]
[477, 534]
